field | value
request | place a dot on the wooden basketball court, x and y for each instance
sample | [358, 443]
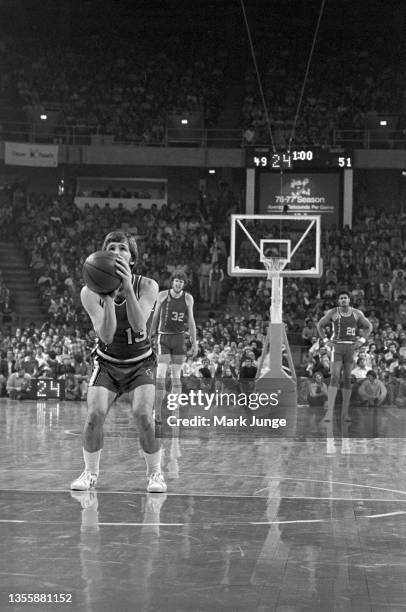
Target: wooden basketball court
[313, 522]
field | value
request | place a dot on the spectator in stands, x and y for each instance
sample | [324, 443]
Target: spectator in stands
[317, 391]
[361, 370]
[18, 384]
[372, 391]
[399, 286]
[72, 388]
[41, 357]
[52, 364]
[321, 364]
[206, 376]
[10, 362]
[247, 374]
[204, 272]
[189, 374]
[309, 331]
[66, 368]
[31, 364]
[229, 379]
[216, 277]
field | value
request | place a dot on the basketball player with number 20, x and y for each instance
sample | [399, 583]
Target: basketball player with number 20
[350, 330]
[124, 362]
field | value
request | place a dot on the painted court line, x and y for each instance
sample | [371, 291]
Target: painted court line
[210, 524]
[332, 482]
[223, 495]
[382, 515]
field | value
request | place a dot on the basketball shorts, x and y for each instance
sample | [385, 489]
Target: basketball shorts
[343, 352]
[172, 346]
[123, 378]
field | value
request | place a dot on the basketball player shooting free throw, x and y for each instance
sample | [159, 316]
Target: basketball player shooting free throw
[350, 329]
[124, 362]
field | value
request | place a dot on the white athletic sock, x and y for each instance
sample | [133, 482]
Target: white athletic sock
[92, 461]
[153, 461]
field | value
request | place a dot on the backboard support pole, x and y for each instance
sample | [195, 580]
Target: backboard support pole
[271, 370]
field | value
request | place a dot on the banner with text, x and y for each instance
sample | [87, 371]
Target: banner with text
[301, 193]
[25, 154]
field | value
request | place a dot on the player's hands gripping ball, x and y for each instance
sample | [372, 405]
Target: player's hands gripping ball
[124, 272]
[100, 273]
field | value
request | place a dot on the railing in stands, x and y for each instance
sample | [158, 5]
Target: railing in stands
[370, 139]
[217, 138]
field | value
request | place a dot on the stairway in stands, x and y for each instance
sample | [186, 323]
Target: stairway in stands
[19, 279]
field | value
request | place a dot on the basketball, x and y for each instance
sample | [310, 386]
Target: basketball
[99, 272]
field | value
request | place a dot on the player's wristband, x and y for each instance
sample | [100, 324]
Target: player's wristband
[362, 339]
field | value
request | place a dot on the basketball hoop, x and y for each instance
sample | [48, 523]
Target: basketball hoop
[274, 266]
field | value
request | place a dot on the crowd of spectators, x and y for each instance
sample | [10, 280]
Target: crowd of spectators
[125, 91]
[348, 86]
[229, 349]
[369, 260]
[55, 352]
[126, 86]
[58, 236]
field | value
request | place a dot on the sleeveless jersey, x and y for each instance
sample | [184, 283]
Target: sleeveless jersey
[173, 314]
[345, 327]
[127, 346]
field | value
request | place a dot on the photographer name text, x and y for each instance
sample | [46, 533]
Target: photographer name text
[224, 421]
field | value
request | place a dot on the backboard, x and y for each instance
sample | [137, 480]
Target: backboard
[293, 238]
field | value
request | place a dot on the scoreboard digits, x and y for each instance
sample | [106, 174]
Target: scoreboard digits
[47, 388]
[309, 159]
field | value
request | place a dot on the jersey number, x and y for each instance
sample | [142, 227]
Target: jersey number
[177, 316]
[138, 337]
[350, 331]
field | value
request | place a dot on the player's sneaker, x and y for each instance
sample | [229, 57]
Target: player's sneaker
[86, 481]
[156, 483]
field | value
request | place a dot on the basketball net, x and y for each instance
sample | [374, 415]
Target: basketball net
[274, 266]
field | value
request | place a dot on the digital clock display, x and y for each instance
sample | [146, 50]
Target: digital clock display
[267, 159]
[47, 388]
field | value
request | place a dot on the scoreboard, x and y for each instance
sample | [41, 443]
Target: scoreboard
[266, 158]
[299, 181]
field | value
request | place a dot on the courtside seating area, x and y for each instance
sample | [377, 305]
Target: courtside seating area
[369, 260]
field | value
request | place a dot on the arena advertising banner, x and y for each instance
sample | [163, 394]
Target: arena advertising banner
[302, 193]
[26, 154]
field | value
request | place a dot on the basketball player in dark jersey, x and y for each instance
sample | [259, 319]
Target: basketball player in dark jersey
[350, 330]
[124, 362]
[173, 313]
